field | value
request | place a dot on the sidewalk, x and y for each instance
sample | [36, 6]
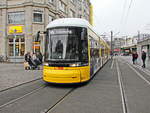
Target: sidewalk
[139, 61]
[14, 74]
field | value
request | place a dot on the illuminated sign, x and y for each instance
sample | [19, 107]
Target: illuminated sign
[61, 31]
[15, 29]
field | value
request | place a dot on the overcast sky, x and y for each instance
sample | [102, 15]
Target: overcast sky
[124, 16]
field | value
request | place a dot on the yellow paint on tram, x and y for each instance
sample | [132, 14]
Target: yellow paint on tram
[66, 74]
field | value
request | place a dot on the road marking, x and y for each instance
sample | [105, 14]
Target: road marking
[138, 73]
[112, 64]
[123, 98]
[146, 71]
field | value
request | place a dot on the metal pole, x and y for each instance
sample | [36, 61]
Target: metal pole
[15, 48]
[15, 44]
[111, 43]
[138, 36]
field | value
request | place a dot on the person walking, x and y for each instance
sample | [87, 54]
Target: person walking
[143, 58]
[134, 57]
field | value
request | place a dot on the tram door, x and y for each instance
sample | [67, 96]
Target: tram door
[16, 46]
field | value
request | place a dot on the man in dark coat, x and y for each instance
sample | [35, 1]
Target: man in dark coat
[143, 58]
[39, 57]
[134, 57]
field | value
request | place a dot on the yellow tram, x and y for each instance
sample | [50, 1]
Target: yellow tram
[74, 52]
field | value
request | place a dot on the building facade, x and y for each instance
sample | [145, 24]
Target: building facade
[117, 44]
[20, 20]
[143, 44]
[130, 45]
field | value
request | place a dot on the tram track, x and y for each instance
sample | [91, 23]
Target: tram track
[19, 98]
[137, 83]
[20, 84]
[60, 100]
[122, 90]
[16, 93]
[58, 92]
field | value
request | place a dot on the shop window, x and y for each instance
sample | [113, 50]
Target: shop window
[10, 49]
[10, 40]
[16, 46]
[22, 39]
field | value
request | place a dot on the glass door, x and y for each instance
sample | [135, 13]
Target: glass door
[16, 45]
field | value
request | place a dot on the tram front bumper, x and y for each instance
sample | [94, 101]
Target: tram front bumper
[62, 76]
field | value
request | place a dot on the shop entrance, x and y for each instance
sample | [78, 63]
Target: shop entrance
[16, 45]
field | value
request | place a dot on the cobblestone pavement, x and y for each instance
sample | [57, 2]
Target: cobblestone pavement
[14, 74]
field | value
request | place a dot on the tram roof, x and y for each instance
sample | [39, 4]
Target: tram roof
[76, 22]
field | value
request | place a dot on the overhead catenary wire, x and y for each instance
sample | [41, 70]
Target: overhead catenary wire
[127, 6]
[123, 12]
[128, 11]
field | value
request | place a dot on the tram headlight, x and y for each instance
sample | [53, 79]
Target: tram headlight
[45, 64]
[75, 64]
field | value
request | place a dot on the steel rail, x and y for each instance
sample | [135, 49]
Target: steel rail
[20, 84]
[122, 90]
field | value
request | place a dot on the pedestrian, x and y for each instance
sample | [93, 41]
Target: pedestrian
[27, 60]
[27, 56]
[32, 59]
[143, 58]
[39, 57]
[134, 57]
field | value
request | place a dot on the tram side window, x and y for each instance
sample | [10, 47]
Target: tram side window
[84, 44]
[93, 48]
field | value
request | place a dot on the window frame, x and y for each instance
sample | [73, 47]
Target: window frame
[38, 12]
[17, 12]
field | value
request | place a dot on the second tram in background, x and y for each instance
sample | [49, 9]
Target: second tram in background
[74, 52]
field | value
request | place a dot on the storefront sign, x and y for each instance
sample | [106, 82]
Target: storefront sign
[117, 50]
[36, 43]
[15, 29]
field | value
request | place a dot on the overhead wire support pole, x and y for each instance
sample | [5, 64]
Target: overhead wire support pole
[138, 36]
[111, 44]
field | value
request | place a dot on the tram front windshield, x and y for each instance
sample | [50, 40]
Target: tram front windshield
[66, 44]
